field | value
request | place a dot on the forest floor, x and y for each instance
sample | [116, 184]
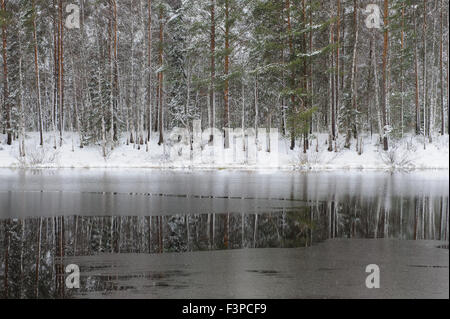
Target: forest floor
[409, 153]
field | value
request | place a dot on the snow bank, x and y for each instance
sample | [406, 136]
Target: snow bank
[408, 153]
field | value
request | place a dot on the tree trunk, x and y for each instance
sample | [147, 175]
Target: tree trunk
[291, 56]
[113, 71]
[149, 66]
[226, 116]
[433, 96]
[306, 83]
[61, 71]
[402, 39]
[102, 111]
[338, 70]
[116, 71]
[441, 69]
[21, 106]
[331, 134]
[353, 82]
[385, 77]
[243, 114]
[38, 82]
[416, 72]
[256, 107]
[424, 69]
[161, 77]
[377, 87]
[333, 94]
[55, 74]
[5, 78]
[212, 94]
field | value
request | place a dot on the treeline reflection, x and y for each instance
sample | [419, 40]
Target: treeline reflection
[32, 250]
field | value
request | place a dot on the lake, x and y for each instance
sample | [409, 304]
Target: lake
[223, 234]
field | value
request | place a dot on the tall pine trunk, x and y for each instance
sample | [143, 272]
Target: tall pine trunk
[441, 68]
[353, 82]
[161, 77]
[5, 77]
[38, 82]
[291, 56]
[212, 93]
[416, 73]
[226, 115]
[338, 63]
[21, 105]
[149, 71]
[402, 89]
[425, 75]
[385, 74]
[61, 71]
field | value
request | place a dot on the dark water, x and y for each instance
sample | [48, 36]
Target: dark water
[163, 234]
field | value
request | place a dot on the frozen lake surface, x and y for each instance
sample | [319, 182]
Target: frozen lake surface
[333, 269]
[223, 234]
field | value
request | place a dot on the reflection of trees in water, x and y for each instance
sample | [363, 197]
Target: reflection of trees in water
[32, 250]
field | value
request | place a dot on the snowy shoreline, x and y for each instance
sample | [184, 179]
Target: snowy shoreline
[305, 168]
[407, 154]
[243, 169]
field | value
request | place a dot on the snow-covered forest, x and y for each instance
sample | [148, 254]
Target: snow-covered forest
[110, 80]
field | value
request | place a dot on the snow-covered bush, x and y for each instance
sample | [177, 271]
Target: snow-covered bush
[308, 159]
[397, 156]
[38, 156]
[410, 146]
[107, 153]
[442, 142]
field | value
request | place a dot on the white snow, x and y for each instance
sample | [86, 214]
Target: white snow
[407, 153]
